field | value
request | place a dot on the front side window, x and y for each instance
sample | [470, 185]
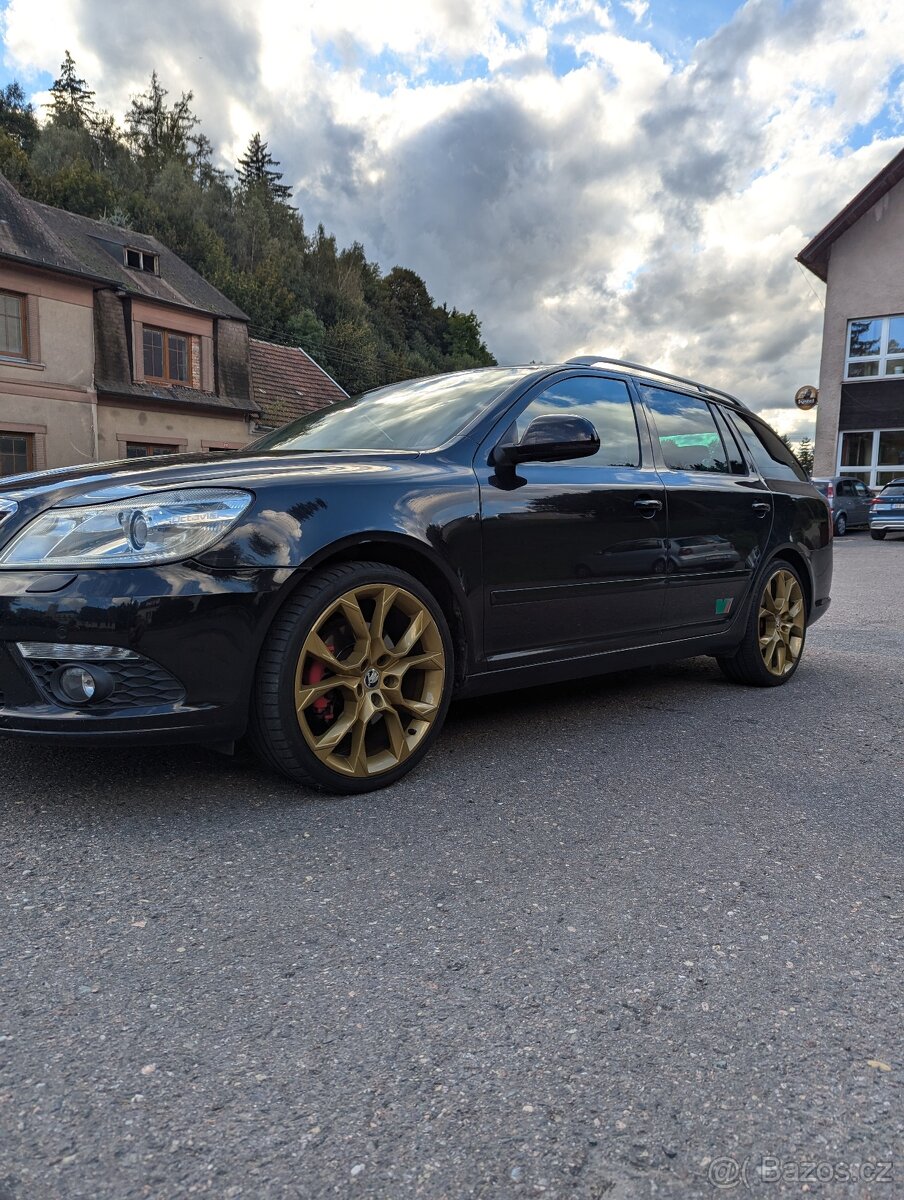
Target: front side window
[166, 356]
[605, 403]
[875, 347]
[13, 325]
[16, 453]
[688, 435]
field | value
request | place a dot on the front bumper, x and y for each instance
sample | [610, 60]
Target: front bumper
[197, 634]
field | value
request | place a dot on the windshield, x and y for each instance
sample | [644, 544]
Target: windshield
[418, 414]
[892, 489]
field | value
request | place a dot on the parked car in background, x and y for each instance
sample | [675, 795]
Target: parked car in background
[328, 589]
[849, 500]
[887, 511]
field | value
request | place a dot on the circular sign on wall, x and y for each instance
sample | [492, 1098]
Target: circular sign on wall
[806, 396]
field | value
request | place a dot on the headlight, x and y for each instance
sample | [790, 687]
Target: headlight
[156, 528]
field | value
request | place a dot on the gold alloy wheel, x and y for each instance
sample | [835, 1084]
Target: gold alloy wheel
[781, 623]
[369, 680]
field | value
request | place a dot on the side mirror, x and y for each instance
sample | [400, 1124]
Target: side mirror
[551, 438]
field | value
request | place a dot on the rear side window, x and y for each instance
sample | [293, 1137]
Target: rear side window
[822, 485]
[688, 435]
[768, 451]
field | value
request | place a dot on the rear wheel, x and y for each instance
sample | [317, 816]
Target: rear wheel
[878, 535]
[775, 634]
[354, 679]
[840, 525]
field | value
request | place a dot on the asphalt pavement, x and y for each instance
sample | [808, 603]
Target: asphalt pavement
[634, 937]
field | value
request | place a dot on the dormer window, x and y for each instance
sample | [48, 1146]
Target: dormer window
[142, 260]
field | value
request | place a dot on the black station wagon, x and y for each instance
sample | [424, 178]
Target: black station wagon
[330, 588]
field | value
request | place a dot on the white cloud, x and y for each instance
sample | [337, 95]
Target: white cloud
[637, 8]
[622, 203]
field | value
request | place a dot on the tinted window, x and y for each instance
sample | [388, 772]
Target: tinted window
[415, 415]
[736, 462]
[772, 457]
[605, 403]
[892, 489]
[822, 485]
[687, 431]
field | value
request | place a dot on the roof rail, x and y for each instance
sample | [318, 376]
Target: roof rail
[592, 360]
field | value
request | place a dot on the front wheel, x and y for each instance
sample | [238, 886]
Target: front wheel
[878, 535]
[354, 680]
[775, 634]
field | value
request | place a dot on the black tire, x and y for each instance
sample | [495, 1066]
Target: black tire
[747, 664]
[840, 525]
[274, 730]
[878, 535]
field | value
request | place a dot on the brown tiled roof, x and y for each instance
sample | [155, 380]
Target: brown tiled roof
[287, 383]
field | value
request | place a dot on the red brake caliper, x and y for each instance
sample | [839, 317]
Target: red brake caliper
[314, 672]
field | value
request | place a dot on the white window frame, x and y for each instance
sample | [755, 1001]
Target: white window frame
[881, 358]
[874, 466]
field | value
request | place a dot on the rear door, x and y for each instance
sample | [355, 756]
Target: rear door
[720, 511]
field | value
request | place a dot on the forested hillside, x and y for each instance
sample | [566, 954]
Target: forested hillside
[155, 173]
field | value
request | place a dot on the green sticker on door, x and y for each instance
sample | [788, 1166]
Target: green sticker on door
[723, 607]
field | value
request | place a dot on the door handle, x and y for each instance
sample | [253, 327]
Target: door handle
[761, 507]
[648, 508]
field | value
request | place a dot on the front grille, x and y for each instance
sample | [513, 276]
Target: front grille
[138, 683]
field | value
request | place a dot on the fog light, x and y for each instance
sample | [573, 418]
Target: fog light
[78, 684]
[81, 685]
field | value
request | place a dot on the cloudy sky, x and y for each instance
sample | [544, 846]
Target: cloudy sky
[633, 177]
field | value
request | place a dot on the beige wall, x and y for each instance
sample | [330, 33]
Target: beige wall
[51, 396]
[866, 279]
[184, 431]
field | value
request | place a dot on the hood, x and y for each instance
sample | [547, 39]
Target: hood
[111, 481]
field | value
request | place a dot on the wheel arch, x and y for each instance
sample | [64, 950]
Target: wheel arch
[792, 555]
[411, 556]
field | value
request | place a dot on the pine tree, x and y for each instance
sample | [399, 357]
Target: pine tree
[73, 101]
[17, 116]
[256, 171]
[158, 133]
[805, 454]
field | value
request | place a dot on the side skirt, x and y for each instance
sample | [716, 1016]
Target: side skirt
[581, 666]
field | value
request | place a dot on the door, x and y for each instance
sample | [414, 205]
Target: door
[574, 552]
[719, 512]
[862, 497]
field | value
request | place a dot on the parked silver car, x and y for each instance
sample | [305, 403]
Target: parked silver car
[849, 500]
[887, 511]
